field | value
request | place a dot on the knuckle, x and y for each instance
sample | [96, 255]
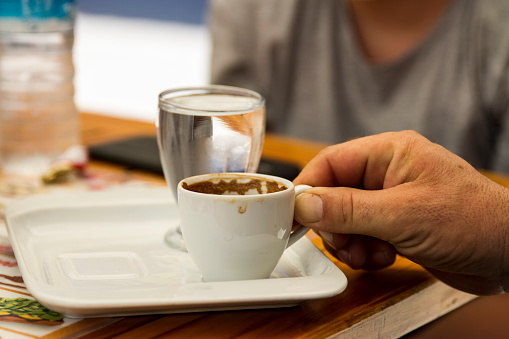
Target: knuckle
[344, 211]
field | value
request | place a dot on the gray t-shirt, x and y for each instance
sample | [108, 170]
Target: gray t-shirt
[303, 57]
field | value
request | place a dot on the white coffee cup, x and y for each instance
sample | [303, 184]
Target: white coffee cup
[233, 236]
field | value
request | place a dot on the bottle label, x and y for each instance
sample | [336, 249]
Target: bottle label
[36, 15]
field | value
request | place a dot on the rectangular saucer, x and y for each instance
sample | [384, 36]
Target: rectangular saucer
[95, 254]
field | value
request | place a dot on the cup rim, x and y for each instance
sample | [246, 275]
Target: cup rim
[197, 178]
[207, 89]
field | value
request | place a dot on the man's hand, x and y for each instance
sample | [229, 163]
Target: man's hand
[399, 193]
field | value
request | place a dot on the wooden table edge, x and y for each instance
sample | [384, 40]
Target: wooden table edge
[391, 322]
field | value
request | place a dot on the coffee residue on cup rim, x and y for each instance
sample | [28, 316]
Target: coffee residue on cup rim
[233, 186]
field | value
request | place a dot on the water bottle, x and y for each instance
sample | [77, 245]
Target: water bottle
[39, 123]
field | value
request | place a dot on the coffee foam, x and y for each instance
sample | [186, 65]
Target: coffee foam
[236, 186]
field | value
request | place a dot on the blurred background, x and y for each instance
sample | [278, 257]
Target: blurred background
[127, 51]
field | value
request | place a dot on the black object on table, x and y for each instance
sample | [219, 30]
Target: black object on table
[142, 153]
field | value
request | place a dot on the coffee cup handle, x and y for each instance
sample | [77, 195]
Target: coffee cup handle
[301, 230]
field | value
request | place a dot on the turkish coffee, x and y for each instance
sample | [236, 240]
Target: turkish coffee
[235, 186]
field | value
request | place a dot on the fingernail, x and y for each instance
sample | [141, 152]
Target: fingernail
[345, 256]
[308, 208]
[381, 258]
[327, 237]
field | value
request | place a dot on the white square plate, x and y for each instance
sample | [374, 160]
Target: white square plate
[92, 254]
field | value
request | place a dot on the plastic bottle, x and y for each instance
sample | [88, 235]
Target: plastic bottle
[39, 122]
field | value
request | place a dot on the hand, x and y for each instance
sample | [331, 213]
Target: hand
[400, 193]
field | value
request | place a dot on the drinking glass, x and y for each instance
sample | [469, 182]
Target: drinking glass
[209, 129]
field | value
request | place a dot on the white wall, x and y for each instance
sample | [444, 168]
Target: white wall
[122, 64]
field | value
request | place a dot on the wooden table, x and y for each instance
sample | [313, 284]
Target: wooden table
[388, 303]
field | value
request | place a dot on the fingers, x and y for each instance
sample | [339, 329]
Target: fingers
[366, 162]
[359, 252]
[352, 211]
[370, 187]
[357, 226]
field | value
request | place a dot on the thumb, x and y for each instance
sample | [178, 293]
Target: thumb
[350, 211]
